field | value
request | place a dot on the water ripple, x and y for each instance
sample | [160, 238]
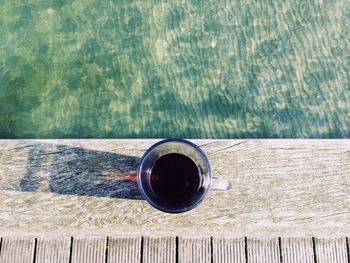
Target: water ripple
[219, 69]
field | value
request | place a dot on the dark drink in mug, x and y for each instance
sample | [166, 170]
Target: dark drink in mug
[174, 176]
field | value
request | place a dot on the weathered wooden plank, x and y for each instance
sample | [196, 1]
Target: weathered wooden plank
[194, 249]
[53, 249]
[91, 184]
[17, 250]
[159, 249]
[263, 250]
[297, 250]
[124, 249]
[228, 249]
[88, 249]
[331, 250]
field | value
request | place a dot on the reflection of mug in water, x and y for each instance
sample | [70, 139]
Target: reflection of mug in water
[174, 176]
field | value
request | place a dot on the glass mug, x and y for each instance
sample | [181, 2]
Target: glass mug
[174, 176]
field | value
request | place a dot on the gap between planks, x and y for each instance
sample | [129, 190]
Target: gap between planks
[173, 249]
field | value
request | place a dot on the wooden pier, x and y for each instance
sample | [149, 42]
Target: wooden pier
[78, 201]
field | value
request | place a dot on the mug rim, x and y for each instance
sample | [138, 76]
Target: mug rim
[176, 210]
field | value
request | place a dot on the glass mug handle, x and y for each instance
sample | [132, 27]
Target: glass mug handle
[219, 184]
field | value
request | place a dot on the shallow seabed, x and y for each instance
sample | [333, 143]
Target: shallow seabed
[195, 69]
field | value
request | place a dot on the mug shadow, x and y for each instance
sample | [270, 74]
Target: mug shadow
[69, 170]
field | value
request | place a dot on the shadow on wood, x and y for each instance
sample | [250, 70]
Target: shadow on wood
[64, 169]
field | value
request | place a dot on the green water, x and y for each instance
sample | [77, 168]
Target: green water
[194, 69]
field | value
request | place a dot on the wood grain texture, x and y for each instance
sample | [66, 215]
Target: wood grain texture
[17, 250]
[88, 250]
[124, 249]
[194, 249]
[331, 250]
[159, 249]
[228, 249]
[263, 250]
[296, 250]
[279, 188]
[54, 250]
